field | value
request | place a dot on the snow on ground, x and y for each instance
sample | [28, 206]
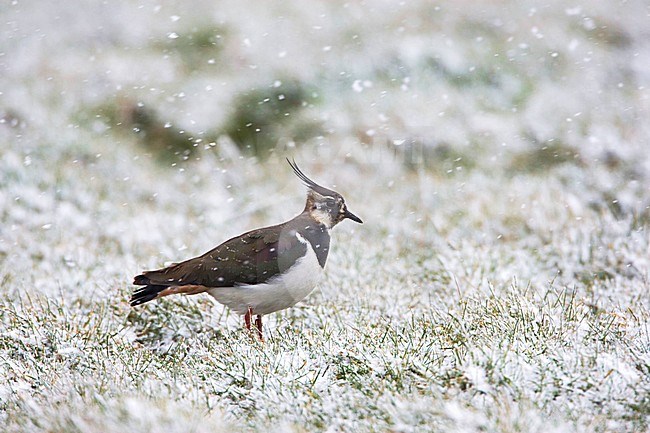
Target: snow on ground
[497, 153]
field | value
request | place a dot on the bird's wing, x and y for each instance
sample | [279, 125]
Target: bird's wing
[252, 258]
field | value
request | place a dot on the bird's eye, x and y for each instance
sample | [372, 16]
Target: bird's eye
[330, 201]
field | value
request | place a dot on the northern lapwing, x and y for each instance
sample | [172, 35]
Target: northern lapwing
[261, 271]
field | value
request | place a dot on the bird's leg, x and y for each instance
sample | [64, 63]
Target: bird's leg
[258, 325]
[247, 318]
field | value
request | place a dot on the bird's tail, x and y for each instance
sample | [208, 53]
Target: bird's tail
[146, 293]
[153, 288]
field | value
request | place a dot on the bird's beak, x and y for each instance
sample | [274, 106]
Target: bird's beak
[353, 217]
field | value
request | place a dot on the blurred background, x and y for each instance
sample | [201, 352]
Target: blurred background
[146, 129]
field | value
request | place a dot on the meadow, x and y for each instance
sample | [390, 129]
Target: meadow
[498, 153]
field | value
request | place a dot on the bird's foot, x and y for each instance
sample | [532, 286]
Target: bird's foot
[258, 326]
[248, 318]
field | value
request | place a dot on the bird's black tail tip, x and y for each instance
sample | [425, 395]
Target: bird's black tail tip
[145, 294]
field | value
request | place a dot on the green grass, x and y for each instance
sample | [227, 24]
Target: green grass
[534, 348]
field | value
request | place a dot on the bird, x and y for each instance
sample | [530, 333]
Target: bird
[263, 270]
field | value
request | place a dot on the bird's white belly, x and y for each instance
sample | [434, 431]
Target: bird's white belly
[278, 293]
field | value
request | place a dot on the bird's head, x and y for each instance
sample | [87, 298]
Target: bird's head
[324, 205]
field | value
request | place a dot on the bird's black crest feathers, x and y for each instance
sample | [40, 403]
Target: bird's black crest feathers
[310, 183]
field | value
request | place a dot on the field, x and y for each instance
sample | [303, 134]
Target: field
[498, 153]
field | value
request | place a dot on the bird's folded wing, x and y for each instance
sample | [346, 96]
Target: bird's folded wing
[252, 258]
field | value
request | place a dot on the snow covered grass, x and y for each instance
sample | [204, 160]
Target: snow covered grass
[497, 153]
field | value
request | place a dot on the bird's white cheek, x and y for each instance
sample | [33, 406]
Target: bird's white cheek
[322, 217]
